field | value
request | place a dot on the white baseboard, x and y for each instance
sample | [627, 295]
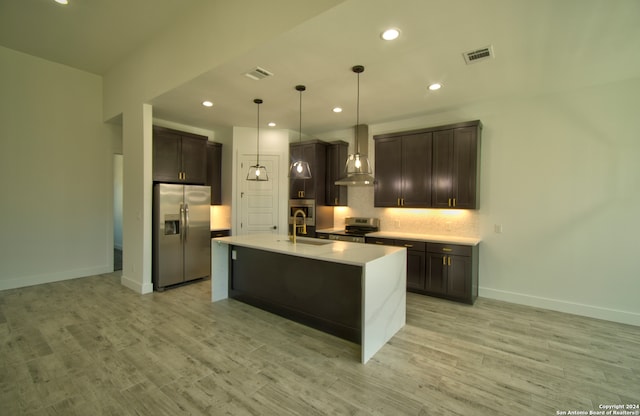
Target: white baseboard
[624, 317]
[39, 279]
[136, 286]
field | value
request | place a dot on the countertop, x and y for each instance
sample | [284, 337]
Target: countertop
[432, 238]
[357, 254]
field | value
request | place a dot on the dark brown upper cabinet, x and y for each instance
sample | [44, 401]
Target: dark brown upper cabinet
[214, 171]
[455, 168]
[403, 171]
[434, 167]
[337, 153]
[313, 152]
[179, 157]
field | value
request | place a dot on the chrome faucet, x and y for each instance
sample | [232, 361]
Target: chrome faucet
[295, 226]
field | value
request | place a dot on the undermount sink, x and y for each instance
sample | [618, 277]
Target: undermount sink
[311, 242]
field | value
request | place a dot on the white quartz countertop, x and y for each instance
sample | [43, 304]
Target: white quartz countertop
[432, 238]
[357, 254]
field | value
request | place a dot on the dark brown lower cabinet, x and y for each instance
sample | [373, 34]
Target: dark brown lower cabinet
[452, 272]
[445, 270]
[415, 262]
[323, 295]
[436, 279]
[415, 259]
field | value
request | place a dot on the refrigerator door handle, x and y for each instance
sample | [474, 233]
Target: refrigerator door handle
[182, 222]
[186, 220]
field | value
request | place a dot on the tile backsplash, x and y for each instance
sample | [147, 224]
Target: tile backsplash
[457, 222]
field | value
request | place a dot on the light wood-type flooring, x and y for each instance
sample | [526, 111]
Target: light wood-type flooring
[92, 347]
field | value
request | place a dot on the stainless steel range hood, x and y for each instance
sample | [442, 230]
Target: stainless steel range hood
[357, 167]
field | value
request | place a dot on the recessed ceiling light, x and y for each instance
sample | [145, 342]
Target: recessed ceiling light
[434, 87]
[390, 34]
[337, 110]
[271, 124]
[62, 1]
[207, 103]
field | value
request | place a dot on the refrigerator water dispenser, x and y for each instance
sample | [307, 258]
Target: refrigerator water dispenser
[171, 224]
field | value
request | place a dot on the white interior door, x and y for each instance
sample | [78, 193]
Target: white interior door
[258, 200]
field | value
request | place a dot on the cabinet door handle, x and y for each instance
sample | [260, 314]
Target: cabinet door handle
[448, 250]
[335, 201]
[449, 261]
[444, 260]
[379, 242]
[398, 203]
[408, 245]
[449, 203]
[454, 202]
[402, 201]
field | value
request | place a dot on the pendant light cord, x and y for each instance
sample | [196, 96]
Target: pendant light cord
[258, 139]
[358, 116]
[300, 88]
[358, 69]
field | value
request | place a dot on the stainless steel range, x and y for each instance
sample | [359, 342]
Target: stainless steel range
[355, 228]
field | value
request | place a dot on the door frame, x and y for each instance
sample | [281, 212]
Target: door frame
[240, 174]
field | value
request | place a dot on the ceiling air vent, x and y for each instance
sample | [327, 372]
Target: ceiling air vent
[258, 73]
[478, 55]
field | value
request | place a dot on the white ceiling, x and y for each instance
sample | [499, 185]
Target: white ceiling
[540, 47]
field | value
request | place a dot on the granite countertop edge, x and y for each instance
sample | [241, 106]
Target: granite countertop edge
[430, 238]
[335, 251]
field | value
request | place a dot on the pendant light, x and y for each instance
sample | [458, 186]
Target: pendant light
[299, 169]
[357, 168]
[257, 172]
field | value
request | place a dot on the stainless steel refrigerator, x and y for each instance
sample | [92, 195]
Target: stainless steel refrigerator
[181, 234]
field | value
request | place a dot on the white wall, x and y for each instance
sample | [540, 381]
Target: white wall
[561, 174]
[55, 173]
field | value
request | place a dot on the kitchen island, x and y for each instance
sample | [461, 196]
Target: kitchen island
[351, 290]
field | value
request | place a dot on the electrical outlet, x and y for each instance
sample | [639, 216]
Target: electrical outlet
[497, 228]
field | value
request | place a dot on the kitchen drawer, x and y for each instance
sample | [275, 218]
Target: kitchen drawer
[411, 244]
[381, 241]
[453, 249]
